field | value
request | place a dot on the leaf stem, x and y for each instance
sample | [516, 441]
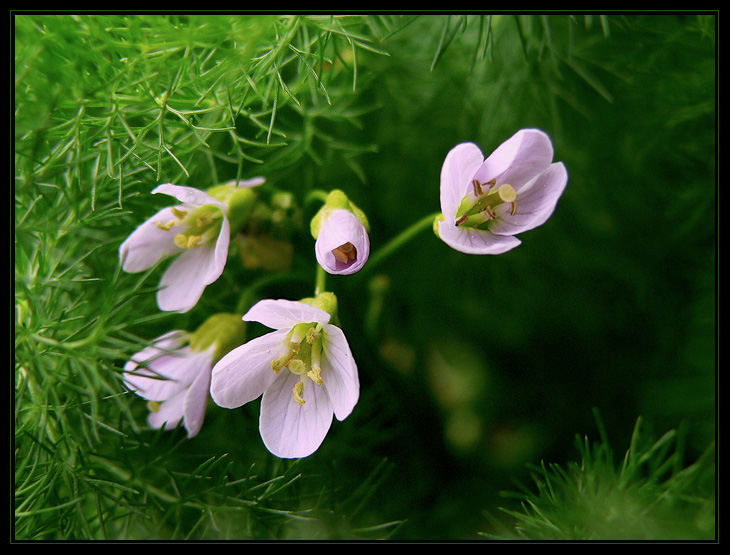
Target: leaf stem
[401, 239]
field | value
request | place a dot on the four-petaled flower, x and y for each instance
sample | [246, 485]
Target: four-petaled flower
[174, 379]
[196, 231]
[304, 370]
[485, 203]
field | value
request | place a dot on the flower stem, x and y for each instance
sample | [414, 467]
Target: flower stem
[401, 239]
[319, 285]
[316, 194]
[245, 301]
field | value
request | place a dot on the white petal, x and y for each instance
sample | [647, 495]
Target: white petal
[341, 227]
[188, 195]
[196, 398]
[339, 372]
[157, 375]
[169, 413]
[246, 183]
[284, 314]
[517, 160]
[457, 172]
[149, 244]
[167, 342]
[184, 281]
[474, 241]
[244, 373]
[535, 202]
[290, 430]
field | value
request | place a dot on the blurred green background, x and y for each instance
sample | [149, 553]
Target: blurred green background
[471, 367]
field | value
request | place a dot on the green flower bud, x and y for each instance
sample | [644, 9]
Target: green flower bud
[326, 301]
[336, 200]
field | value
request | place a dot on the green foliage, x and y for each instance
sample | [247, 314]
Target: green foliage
[470, 367]
[648, 496]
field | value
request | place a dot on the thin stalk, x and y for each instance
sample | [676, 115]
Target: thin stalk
[401, 239]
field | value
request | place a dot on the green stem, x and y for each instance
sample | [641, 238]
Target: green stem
[401, 239]
[316, 194]
[245, 301]
[319, 286]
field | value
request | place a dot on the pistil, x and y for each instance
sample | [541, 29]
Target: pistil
[478, 209]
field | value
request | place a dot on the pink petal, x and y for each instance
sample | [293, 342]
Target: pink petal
[535, 202]
[157, 374]
[474, 241]
[457, 172]
[339, 372]
[244, 373]
[169, 413]
[184, 281]
[149, 244]
[196, 400]
[517, 160]
[188, 195]
[290, 430]
[342, 227]
[246, 183]
[284, 314]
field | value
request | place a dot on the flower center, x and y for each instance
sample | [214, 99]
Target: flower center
[345, 253]
[203, 225]
[477, 208]
[303, 356]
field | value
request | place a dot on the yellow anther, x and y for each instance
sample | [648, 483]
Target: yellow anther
[179, 214]
[297, 366]
[312, 335]
[165, 227]
[507, 193]
[513, 209]
[154, 406]
[279, 363]
[314, 375]
[298, 390]
[194, 241]
[181, 241]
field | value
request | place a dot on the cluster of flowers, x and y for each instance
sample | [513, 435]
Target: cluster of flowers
[304, 370]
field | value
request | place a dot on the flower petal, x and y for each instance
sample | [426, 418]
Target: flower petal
[196, 398]
[284, 314]
[185, 280]
[188, 195]
[339, 372]
[149, 244]
[290, 430]
[157, 374]
[342, 227]
[246, 183]
[169, 413]
[517, 160]
[475, 241]
[244, 373]
[535, 202]
[457, 172]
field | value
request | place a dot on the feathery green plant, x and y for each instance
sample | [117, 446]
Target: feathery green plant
[472, 368]
[106, 106]
[648, 495]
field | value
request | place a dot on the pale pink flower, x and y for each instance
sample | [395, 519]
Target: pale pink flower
[304, 370]
[343, 244]
[197, 232]
[174, 379]
[485, 203]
